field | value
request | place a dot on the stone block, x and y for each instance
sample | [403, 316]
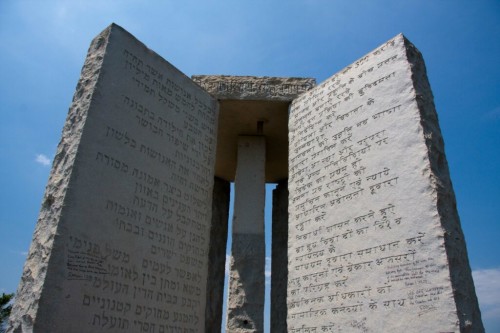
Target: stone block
[375, 239]
[283, 89]
[122, 239]
[245, 306]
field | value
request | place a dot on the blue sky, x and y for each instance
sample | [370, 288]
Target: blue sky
[44, 44]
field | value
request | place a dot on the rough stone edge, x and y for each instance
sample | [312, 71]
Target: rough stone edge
[202, 80]
[468, 311]
[243, 307]
[279, 261]
[31, 287]
[217, 256]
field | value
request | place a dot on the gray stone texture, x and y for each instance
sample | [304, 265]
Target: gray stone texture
[122, 239]
[279, 258]
[217, 256]
[283, 89]
[454, 242]
[245, 309]
[29, 301]
[375, 239]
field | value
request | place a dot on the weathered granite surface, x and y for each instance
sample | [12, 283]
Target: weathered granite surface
[245, 306]
[454, 242]
[375, 241]
[122, 239]
[254, 87]
[29, 300]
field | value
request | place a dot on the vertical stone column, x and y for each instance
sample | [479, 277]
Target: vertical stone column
[279, 268]
[217, 255]
[245, 311]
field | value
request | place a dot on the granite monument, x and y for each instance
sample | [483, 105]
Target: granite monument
[132, 231]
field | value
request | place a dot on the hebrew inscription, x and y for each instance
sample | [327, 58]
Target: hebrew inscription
[365, 243]
[132, 246]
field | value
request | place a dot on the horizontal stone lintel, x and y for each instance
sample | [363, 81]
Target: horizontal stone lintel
[283, 89]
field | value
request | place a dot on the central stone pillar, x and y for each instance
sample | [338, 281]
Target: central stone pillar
[245, 312]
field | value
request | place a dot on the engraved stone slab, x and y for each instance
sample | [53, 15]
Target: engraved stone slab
[374, 238]
[283, 89]
[121, 244]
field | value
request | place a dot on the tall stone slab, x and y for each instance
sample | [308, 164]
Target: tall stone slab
[121, 244]
[245, 306]
[375, 243]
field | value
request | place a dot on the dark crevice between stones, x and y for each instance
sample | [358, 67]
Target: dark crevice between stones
[48, 201]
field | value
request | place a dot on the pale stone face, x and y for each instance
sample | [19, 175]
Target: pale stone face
[245, 309]
[367, 251]
[131, 190]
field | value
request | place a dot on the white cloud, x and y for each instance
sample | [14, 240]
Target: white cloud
[228, 263]
[20, 253]
[487, 282]
[267, 272]
[492, 114]
[42, 159]
[268, 268]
